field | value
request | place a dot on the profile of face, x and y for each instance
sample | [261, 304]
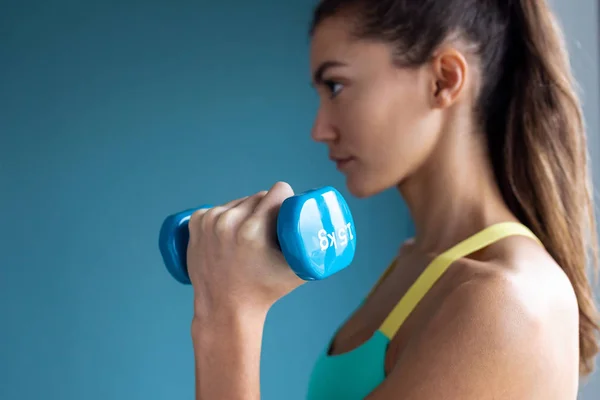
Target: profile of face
[380, 122]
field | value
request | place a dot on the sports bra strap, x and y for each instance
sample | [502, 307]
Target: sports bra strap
[441, 263]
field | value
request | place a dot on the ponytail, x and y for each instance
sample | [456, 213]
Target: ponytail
[540, 158]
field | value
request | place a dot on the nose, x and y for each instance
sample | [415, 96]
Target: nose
[323, 130]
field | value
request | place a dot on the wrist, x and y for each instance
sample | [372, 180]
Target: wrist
[212, 321]
[227, 341]
[227, 310]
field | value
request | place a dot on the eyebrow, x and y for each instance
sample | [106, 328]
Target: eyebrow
[318, 75]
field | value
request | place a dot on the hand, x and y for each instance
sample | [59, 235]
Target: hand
[233, 260]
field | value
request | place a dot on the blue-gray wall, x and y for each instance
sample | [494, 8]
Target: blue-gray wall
[113, 115]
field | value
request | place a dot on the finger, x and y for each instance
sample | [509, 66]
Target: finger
[238, 211]
[215, 212]
[204, 219]
[274, 198]
[196, 223]
[249, 205]
[266, 212]
[235, 203]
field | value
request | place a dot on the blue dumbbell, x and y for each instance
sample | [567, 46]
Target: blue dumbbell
[315, 232]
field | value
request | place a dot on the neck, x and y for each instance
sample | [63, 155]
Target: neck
[454, 195]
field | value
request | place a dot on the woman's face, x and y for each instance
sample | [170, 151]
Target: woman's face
[378, 120]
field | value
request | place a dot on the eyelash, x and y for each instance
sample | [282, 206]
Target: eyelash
[330, 84]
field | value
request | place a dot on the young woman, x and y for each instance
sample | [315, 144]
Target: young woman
[468, 108]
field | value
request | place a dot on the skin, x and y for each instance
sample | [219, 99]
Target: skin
[500, 324]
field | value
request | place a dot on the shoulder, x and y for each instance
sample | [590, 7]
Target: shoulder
[493, 306]
[524, 299]
[515, 322]
[520, 281]
[517, 281]
[521, 310]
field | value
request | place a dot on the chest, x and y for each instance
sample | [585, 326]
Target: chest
[361, 326]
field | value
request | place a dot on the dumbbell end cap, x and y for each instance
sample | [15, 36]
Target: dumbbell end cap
[170, 246]
[306, 224]
[173, 240]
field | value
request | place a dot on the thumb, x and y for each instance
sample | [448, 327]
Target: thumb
[272, 201]
[267, 210]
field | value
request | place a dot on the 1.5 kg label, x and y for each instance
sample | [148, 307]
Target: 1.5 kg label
[333, 239]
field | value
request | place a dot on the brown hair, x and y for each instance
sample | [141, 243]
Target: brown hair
[528, 109]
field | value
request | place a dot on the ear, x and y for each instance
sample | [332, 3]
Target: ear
[449, 77]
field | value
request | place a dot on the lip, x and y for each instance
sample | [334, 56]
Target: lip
[341, 163]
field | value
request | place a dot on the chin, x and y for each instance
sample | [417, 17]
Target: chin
[363, 188]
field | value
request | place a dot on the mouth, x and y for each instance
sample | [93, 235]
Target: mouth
[342, 163]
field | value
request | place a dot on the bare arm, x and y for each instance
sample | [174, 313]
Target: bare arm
[237, 274]
[227, 349]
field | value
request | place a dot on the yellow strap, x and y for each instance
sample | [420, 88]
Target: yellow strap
[440, 264]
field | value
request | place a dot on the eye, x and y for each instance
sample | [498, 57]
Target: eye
[333, 86]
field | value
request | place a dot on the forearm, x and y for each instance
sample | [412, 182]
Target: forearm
[227, 350]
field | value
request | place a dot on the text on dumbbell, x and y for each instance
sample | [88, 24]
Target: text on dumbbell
[333, 239]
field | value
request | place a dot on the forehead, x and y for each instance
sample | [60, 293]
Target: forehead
[332, 40]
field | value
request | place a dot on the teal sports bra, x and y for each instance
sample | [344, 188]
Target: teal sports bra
[355, 374]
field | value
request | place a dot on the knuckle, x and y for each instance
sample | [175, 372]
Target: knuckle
[254, 200]
[195, 220]
[208, 219]
[258, 195]
[212, 213]
[249, 231]
[225, 223]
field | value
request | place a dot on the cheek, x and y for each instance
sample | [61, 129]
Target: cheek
[387, 123]
[407, 127]
[389, 129]
[363, 120]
